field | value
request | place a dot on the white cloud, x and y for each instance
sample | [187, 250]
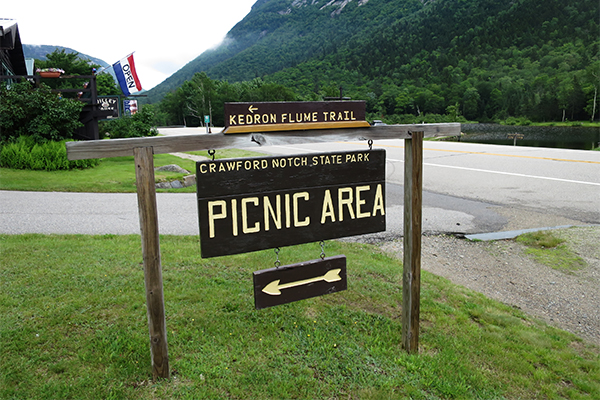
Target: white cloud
[164, 35]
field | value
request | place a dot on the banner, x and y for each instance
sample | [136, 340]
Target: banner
[127, 76]
[130, 107]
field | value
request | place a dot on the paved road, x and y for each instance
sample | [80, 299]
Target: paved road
[471, 188]
[468, 188]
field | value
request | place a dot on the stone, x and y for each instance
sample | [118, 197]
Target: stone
[172, 168]
[163, 185]
[176, 185]
[189, 180]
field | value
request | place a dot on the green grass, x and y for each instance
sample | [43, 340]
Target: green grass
[551, 250]
[586, 124]
[74, 326]
[113, 175]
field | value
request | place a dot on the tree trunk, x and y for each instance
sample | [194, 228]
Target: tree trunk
[594, 106]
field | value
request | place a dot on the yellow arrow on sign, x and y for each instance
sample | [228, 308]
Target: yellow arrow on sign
[274, 288]
[252, 109]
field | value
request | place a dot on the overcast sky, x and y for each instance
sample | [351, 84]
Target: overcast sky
[165, 35]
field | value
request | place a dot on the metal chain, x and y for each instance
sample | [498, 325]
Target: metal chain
[370, 143]
[212, 152]
[322, 250]
[277, 262]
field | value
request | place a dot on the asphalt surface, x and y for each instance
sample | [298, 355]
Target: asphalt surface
[468, 189]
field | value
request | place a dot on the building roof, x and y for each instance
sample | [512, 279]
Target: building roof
[11, 46]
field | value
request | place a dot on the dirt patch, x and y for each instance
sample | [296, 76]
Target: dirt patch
[502, 270]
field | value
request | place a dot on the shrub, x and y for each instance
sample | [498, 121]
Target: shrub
[414, 119]
[138, 125]
[522, 121]
[36, 112]
[26, 153]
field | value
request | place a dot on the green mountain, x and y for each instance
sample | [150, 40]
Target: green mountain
[485, 57]
[39, 52]
[277, 34]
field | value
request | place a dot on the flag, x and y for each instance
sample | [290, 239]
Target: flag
[127, 76]
[130, 107]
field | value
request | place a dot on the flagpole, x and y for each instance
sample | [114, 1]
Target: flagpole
[102, 69]
[110, 66]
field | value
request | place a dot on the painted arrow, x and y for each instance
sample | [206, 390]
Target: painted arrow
[274, 288]
[252, 109]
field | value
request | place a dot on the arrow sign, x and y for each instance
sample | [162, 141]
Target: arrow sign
[274, 288]
[294, 115]
[304, 280]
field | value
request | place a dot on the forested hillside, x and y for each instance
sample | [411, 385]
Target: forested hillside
[482, 59]
[39, 52]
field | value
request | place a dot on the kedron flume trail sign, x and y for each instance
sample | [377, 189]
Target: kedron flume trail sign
[289, 116]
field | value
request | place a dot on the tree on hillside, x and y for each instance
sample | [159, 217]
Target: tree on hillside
[201, 96]
[199, 93]
[592, 76]
[72, 64]
[69, 62]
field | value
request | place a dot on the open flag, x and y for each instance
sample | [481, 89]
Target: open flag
[127, 76]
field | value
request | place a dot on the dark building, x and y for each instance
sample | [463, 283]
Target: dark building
[12, 58]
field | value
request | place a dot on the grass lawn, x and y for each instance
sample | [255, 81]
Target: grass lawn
[586, 124]
[74, 326]
[113, 175]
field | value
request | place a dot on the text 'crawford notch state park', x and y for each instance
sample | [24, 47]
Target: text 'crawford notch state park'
[259, 203]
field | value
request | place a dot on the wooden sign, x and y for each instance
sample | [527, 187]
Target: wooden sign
[295, 282]
[285, 116]
[261, 203]
[109, 105]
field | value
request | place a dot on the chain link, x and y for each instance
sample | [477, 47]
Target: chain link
[370, 143]
[212, 152]
[322, 250]
[277, 262]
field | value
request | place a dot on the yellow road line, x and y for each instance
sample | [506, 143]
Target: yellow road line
[486, 154]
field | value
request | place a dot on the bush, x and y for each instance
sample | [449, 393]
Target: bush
[414, 119]
[26, 153]
[522, 121]
[36, 112]
[138, 125]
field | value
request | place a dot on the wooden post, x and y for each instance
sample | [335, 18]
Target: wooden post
[146, 192]
[411, 279]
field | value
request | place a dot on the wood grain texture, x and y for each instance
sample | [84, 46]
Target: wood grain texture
[146, 193]
[411, 277]
[172, 144]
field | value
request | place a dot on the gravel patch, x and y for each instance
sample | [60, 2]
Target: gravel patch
[503, 271]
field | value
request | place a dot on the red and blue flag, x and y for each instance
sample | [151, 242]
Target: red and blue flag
[127, 75]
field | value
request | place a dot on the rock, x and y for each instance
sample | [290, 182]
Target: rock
[189, 180]
[172, 168]
[163, 185]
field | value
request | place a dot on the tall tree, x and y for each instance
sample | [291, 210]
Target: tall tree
[73, 64]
